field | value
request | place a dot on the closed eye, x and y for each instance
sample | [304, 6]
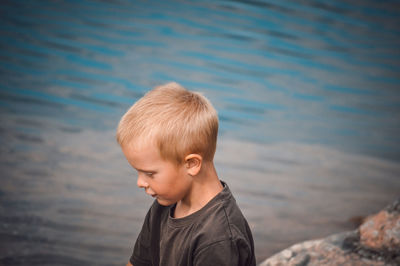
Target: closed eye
[147, 173]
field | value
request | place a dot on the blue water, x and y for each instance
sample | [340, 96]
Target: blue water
[307, 93]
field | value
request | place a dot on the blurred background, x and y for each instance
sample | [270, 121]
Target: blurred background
[307, 94]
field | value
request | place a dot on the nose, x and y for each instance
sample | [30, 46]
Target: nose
[141, 183]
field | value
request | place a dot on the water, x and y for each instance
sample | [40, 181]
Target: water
[307, 93]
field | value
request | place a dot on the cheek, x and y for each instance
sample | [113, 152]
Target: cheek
[169, 179]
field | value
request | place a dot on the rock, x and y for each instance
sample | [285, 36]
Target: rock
[381, 231]
[375, 242]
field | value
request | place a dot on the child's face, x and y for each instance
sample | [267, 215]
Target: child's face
[161, 179]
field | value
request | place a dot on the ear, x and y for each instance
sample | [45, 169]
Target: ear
[193, 164]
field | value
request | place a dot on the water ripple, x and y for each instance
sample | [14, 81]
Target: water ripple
[299, 72]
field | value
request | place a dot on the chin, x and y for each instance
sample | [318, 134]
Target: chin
[165, 202]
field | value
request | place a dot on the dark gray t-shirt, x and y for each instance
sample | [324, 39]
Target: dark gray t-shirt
[218, 234]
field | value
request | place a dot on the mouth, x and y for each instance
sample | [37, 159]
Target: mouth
[150, 194]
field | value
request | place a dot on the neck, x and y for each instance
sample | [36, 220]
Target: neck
[205, 187]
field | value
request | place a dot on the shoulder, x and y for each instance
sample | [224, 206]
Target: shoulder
[224, 237]
[222, 223]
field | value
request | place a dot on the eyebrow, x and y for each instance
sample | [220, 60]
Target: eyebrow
[145, 171]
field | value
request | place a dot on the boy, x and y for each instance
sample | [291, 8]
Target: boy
[169, 136]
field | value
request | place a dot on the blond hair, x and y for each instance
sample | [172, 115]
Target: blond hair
[178, 121]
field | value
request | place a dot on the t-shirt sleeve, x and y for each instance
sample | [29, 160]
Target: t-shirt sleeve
[141, 252]
[225, 252]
